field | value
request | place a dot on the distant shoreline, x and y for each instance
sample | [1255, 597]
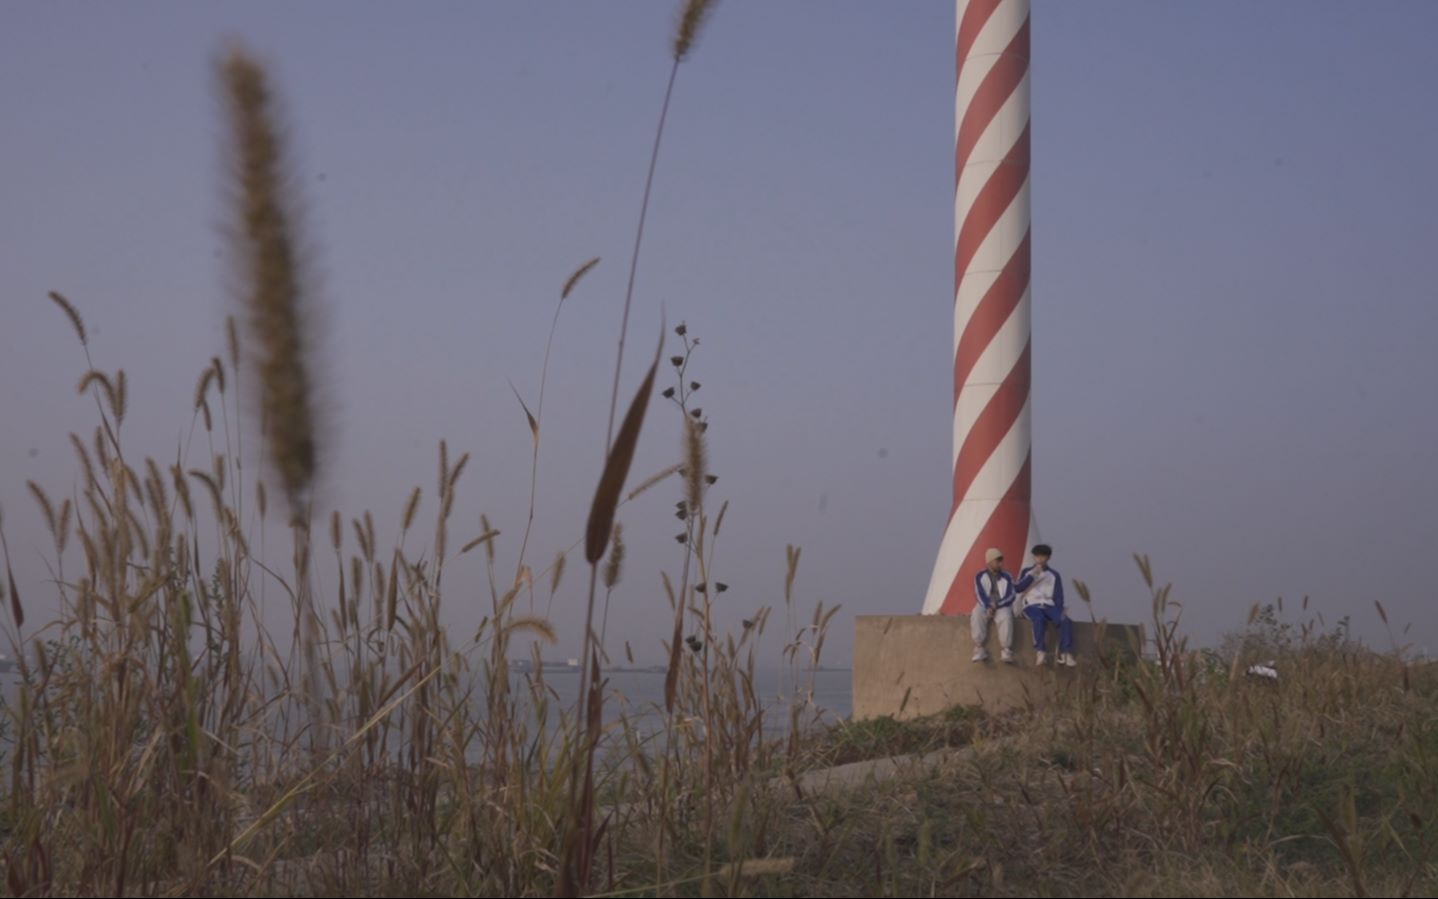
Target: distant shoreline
[526, 666]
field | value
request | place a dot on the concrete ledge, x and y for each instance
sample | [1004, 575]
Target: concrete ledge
[908, 666]
[855, 775]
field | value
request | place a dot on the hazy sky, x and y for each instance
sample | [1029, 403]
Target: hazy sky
[1235, 220]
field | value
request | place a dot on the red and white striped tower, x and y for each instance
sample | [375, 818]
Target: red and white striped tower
[991, 302]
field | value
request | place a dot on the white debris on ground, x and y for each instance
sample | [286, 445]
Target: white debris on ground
[1266, 670]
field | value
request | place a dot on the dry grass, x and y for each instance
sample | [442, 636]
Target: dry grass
[1180, 775]
[162, 740]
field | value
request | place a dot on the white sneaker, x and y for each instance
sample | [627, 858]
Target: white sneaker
[1008, 656]
[1041, 658]
[1068, 659]
[981, 655]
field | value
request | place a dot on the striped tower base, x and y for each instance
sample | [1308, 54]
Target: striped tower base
[992, 459]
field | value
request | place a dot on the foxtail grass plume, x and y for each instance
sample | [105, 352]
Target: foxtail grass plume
[203, 386]
[44, 502]
[557, 568]
[219, 369]
[94, 376]
[614, 569]
[267, 253]
[122, 395]
[691, 21]
[410, 508]
[695, 464]
[653, 479]
[71, 313]
[574, 278]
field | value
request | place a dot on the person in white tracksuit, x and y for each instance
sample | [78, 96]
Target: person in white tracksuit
[994, 589]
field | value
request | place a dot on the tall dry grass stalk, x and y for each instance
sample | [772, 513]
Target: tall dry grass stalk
[618, 453]
[691, 18]
[535, 420]
[267, 250]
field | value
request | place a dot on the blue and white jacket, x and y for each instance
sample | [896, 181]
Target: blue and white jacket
[1007, 595]
[1041, 589]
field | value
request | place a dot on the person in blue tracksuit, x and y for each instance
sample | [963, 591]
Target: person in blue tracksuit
[994, 590]
[1042, 590]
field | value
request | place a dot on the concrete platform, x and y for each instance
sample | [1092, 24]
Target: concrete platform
[908, 666]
